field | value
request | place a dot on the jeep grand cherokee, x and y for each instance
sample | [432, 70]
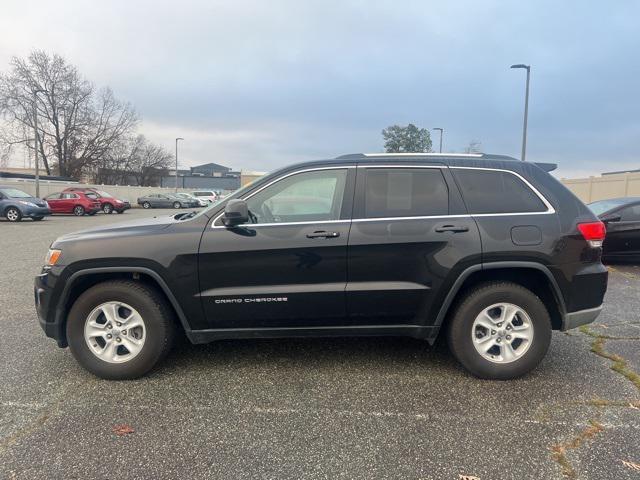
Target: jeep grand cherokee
[492, 252]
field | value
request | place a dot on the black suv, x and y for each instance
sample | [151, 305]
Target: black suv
[493, 251]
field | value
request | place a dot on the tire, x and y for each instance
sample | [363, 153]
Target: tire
[177, 205]
[37, 219]
[13, 214]
[107, 208]
[157, 336]
[78, 210]
[466, 337]
[120, 212]
[146, 205]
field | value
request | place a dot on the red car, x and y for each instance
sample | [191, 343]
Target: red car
[77, 203]
[108, 203]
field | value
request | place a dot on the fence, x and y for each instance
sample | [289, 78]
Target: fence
[604, 187]
[118, 191]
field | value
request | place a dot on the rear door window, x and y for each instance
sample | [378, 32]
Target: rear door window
[492, 191]
[630, 214]
[405, 192]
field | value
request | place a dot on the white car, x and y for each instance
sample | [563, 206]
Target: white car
[207, 195]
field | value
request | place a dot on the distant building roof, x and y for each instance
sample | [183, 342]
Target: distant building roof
[622, 171]
[211, 166]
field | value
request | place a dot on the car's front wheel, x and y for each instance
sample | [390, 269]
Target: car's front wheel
[500, 331]
[177, 205]
[107, 208]
[120, 329]
[146, 205]
[13, 214]
[37, 219]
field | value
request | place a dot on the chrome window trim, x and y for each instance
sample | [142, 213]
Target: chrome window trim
[425, 154]
[550, 210]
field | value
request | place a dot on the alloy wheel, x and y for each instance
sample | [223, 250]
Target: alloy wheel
[115, 332]
[13, 215]
[502, 333]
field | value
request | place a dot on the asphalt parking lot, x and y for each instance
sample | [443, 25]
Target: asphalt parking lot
[313, 408]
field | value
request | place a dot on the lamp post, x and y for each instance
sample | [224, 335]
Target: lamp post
[441, 132]
[35, 139]
[179, 138]
[526, 109]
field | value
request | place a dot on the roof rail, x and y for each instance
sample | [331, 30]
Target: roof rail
[418, 154]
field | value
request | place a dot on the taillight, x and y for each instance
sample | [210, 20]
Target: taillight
[593, 233]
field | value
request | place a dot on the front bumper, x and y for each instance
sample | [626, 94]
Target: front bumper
[49, 318]
[581, 317]
[32, 212]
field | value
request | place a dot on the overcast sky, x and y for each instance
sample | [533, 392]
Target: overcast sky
[259, 84]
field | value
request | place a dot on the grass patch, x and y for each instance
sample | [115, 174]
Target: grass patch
[559, 452]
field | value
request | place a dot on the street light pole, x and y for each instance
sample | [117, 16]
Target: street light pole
[526, 109]
[441, 132]
[179, 138]
[35, 139]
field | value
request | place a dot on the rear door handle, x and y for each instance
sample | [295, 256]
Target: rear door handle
[452, 228]
[323, 234]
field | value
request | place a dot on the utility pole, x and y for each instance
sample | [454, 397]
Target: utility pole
[35, 139]
[179, 138]
[441, 132]
[526, 109]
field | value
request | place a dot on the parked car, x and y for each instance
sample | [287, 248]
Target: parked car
[208, 196]
[622, 219]
[201, 202]
[16, 205]
[167, 200]
[78, 203]
[406, 244]
[108, 203]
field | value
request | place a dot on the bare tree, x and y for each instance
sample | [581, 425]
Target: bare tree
[475, 146]
[77, 125]
[151, 164]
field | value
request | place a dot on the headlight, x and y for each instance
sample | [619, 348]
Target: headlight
[52, 258]
[28, 204]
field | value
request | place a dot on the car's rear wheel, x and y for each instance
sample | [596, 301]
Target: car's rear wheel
[177, 205]
[107, 208]
[500, 330]
[78, 210]
[13, 214]
[120, 329]
[146, 205]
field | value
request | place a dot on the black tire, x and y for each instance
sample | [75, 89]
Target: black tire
[146, 205]
[460, 330]
[13, 214]
[120, 212]
[107, 208]
[91, 214]
[37, 219]
[78, 210]
[150, 304]
[177, 205]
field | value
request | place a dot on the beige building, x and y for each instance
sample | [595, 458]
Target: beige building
[605, 186]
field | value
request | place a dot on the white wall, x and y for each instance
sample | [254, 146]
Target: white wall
[118, 191]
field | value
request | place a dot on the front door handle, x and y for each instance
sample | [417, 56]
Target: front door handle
[452, 228]
[323, 234]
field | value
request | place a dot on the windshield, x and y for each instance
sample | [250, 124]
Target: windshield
[103, 194]
[14, 193]
[602, 206]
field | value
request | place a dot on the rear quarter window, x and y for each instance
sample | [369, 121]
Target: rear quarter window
[489, 191]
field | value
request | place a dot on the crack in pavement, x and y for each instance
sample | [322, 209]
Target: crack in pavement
[559, 451]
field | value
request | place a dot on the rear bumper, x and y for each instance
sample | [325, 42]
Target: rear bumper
[581, 317]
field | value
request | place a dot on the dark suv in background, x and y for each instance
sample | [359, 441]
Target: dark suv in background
[495, 253]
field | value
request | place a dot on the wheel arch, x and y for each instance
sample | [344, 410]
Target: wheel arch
[538, 279]
[81, 280]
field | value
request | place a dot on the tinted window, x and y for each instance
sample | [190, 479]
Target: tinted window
[487, 191]
[630, 214]
[405, 192]
[303, 197]
[602, 206]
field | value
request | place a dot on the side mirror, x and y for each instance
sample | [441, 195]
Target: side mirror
[236, 212]
[614, 217]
